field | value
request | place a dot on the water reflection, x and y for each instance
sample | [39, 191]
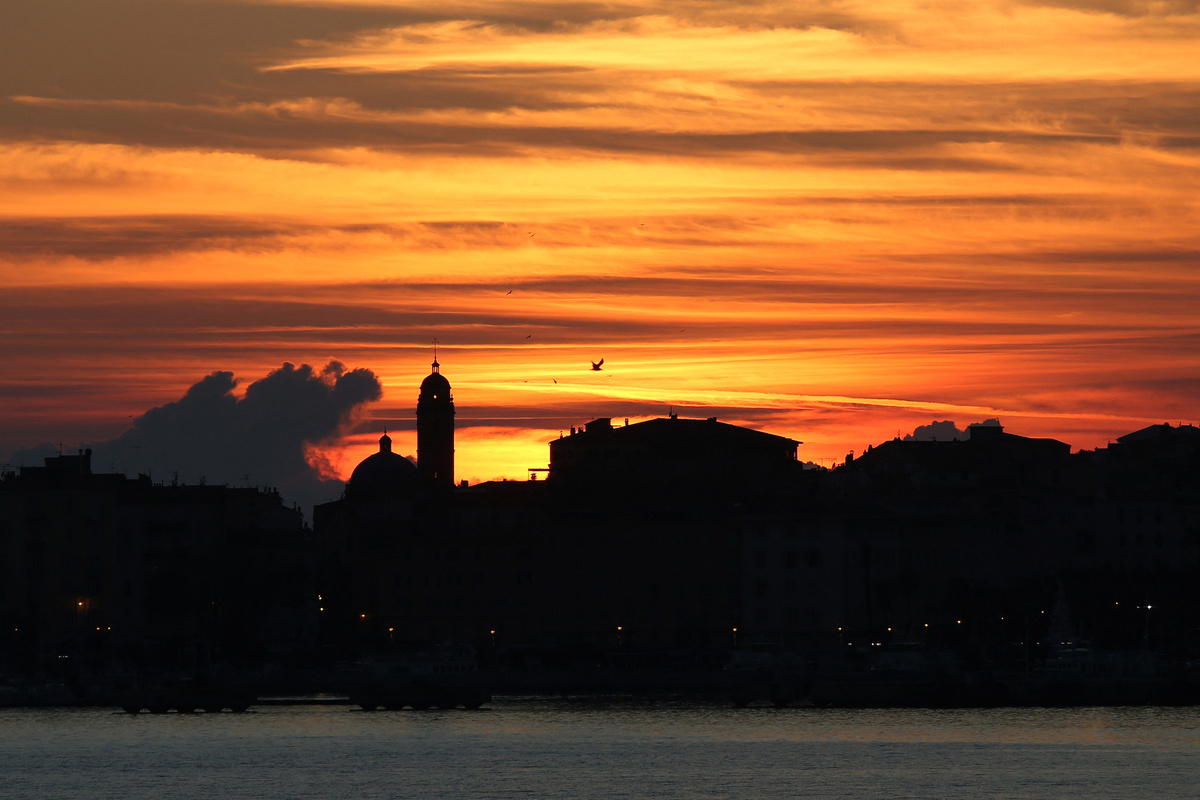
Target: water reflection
[550, 748]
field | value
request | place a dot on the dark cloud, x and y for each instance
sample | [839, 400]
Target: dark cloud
[1181, 385]
[1076, 106]
[1124, 8]
[199, 52]
[162, 51]
[286, 132]
[190, 50]
[107, 237]
[1164, 254]
[198, 74]
[945, 431]
[97, 238]
[260, 438]
[249, 318]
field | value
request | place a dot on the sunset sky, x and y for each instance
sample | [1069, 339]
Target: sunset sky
[833, 221]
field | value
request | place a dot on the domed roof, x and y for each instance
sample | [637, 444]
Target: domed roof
[435, 385]
[383, 475]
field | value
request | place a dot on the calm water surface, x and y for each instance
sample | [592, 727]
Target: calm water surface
[544, 749]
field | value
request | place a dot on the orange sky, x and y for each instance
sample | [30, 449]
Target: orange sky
[833, 221]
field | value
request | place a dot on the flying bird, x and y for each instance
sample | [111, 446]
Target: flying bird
[508, 292]
[554, 379]
[530, 336]
[596, 365]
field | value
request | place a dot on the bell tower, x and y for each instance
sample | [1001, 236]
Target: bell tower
[435, 429]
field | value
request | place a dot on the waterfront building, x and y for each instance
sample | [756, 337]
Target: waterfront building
[103, 573]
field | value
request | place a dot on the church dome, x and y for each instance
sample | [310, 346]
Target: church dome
[435, 386]
[383, 475]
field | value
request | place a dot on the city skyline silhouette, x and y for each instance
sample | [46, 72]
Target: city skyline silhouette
[291, 432]
[984, 568]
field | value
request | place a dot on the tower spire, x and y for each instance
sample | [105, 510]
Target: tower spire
[435, 428]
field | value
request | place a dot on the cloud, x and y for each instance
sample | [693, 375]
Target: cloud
[638, 79]
[261, 438]
[1124, 8]
[110, 237]
[311, 127]
[945, 431]
[987, 423]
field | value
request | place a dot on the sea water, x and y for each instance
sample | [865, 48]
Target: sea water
[544, 748]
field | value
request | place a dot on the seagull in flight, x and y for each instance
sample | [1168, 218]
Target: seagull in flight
[596, 365]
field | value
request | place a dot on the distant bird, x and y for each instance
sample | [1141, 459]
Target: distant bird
[533, 234]
[530, 336]
[596, 365]
[508, 292]
[554, 379]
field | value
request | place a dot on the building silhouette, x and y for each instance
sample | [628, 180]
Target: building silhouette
[435, 430]
[689, 534]
[104, 574]
[667, 541]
